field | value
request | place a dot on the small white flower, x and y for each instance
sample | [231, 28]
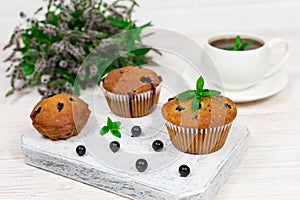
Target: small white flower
[68, 85]
[18, 84]
[63, 64]
[45, 79]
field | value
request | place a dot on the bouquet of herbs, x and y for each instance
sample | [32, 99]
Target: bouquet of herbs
[50, 52]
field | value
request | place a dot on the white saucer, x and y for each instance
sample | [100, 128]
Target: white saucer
[264, 89]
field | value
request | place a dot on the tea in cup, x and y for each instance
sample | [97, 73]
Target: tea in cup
[242, 60]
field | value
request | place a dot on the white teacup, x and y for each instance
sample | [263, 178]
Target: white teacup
[242, 69]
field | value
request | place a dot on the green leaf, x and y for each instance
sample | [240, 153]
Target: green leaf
[10, 92]
[116, 125]
[69, 77]
[140, 52]
[104, 130]
[57, 82]
[186, 95]
[52, 18]
[237, 41]
[28, 69]
[200, 84]
[109, 123]
[146, 25]
[246, 44]
[118, 22]
[210, 93]
[195, 104]
[116, 133]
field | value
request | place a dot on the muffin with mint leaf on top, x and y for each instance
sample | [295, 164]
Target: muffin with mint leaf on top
[198, 121]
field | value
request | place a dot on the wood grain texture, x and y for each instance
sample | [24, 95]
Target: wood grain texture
[271, 167]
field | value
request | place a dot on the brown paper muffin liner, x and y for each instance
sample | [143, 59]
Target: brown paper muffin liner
[198, 141]
[132, 105]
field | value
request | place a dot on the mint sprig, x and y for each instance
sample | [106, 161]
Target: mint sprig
[111, 126]
[238, 46]
[197, 94]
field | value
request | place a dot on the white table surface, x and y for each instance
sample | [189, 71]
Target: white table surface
[271, 167]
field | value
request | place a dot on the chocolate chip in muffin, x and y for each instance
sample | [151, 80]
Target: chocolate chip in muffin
[227, 105]
[121, 72]
[71, 99]
[145, 79]
[50, 95]
[170, 99]
[60, 106]
[179, 108]
[35, 113]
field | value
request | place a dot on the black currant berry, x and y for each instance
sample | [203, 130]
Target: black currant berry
[157, 145]
[141, 165]
[184, 170]
[80, 150]
[114, 146]
[136, 131]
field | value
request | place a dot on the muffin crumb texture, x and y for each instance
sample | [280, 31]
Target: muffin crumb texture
[60, 116]
[212, 112]
[131, 80]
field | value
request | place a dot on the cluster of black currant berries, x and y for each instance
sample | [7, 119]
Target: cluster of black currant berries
[136, 131]
[141, 164]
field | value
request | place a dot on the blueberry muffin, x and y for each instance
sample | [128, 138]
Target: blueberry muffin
[198, 121]
[199, 131]
[60, 117]
[131, 91]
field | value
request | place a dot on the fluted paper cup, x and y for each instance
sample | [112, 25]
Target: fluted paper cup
[197, 140]
[132, 105]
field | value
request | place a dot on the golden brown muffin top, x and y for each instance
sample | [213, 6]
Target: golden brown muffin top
[214, 111]
[131, 80]
[59, 110]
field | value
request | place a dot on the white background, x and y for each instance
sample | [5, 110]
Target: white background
[271, 167]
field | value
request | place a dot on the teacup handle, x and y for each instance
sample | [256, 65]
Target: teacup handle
[285, 54]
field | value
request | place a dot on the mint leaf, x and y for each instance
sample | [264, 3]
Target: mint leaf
[104, 130]
[210, 93]
[198, 95]
[238, 46]
[195, 104]
[238, 41]
[116, 133]
[28, 69]
[200, 84]
[109, 123]
[200, 92]
[120, 23]
[186, 95]
[140, 52]
[116, 125]
[246, 44]
[145, 25]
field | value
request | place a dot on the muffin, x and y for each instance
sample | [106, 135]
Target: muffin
[60, 117]
[131, 91]
[199, 131]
